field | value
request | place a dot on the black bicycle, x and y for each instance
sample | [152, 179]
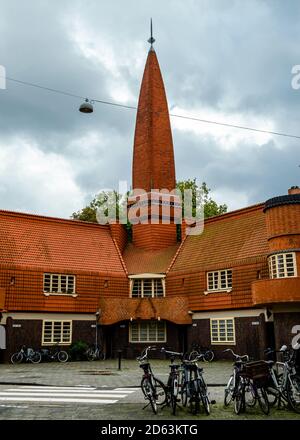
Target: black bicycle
[94, 353]
[54, 354]
[193, 386]
[173, 383]
[153, 389]
[197, 350]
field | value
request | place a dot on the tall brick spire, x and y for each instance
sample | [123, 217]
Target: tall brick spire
[153, 155]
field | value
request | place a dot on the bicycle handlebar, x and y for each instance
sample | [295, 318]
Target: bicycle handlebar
[237, 356]
[144, 354]
[172, 353]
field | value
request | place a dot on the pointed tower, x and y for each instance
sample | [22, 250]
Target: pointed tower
[153, 155]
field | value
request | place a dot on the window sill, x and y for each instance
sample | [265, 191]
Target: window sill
[73, 295]
[48, 344]
[223, 343]
[147, 297]
[206, 292]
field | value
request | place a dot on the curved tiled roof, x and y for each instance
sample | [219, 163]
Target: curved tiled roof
[227, 238]
[139, 260]
[34, 241]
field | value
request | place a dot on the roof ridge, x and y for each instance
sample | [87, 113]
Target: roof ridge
[51, 219]
[120, 256]
[235, 213]
[176, 255]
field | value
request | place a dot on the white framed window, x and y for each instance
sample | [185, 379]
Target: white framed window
[222, 331]
[148, 331]
[59, 284]
[219, 280]
[147, 288]
[283, 265]
[57, 332]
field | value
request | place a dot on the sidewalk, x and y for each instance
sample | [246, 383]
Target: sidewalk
[101, 373]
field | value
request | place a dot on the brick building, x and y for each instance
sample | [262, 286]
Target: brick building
[235, 285]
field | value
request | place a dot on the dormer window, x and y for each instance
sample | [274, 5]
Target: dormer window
[282, 265]
[219, 280]
[147, 287]
[59, 284]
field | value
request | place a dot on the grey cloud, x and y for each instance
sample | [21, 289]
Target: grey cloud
[230, 57]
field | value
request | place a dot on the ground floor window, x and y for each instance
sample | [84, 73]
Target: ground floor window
[148, 331]
[57, 332]
[222, 331]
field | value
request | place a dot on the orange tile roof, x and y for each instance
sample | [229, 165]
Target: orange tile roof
[139, 260]
[228, 238]
[34, 241]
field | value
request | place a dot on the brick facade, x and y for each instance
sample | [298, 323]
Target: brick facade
[104, 262]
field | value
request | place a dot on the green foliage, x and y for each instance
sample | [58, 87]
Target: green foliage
[78, 349]
[200, 197]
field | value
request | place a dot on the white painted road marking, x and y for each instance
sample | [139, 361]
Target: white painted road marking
[64, 394]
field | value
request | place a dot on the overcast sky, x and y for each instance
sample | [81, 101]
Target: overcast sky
[224, 61]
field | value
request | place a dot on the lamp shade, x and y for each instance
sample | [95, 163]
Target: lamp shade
[86, 107]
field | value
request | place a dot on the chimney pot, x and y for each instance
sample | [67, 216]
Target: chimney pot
[294, 190]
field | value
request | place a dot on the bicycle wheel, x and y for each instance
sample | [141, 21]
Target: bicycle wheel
[101, 356]
[173, 395]
[36, 357]
[273, 396]
[17, 358]
[209, 356]
[250, 395]
[62, 356]
[90, 354]
[239, 398]
[194, 401]
[149, 393]
[229, 391]
[293, 393]
[203, 395]
[160, 392]
[263, 400]
[193, 354]
[184, 391]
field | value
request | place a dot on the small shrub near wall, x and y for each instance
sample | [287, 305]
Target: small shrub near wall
[77, 350]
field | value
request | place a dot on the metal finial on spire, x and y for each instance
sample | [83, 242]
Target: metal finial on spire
[151, 39]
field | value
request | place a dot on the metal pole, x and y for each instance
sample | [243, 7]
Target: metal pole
[119, 359]
[96, 333]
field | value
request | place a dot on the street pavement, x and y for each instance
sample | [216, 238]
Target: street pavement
[99, 391]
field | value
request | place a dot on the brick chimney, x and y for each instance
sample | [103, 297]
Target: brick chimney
[294, 190]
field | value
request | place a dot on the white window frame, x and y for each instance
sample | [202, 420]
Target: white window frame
[139, 341]
[142, 280]
[52, 341]
[51, 275]
[218, 341]
[275, 269]
[218, 288]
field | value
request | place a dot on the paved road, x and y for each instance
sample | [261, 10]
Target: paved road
[98, 391]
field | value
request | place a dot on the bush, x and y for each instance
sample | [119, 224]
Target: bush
[77, 350]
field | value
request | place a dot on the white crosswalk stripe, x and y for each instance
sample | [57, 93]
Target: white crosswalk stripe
[79, 395]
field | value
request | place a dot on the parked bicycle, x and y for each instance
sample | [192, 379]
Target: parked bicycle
[153, 389]
[247, 384]
[173, 383]
[54, 354]
[197, 350]
[26, 355]
[284, 388]
[94, 353]
[193, 387]
[231, 388]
